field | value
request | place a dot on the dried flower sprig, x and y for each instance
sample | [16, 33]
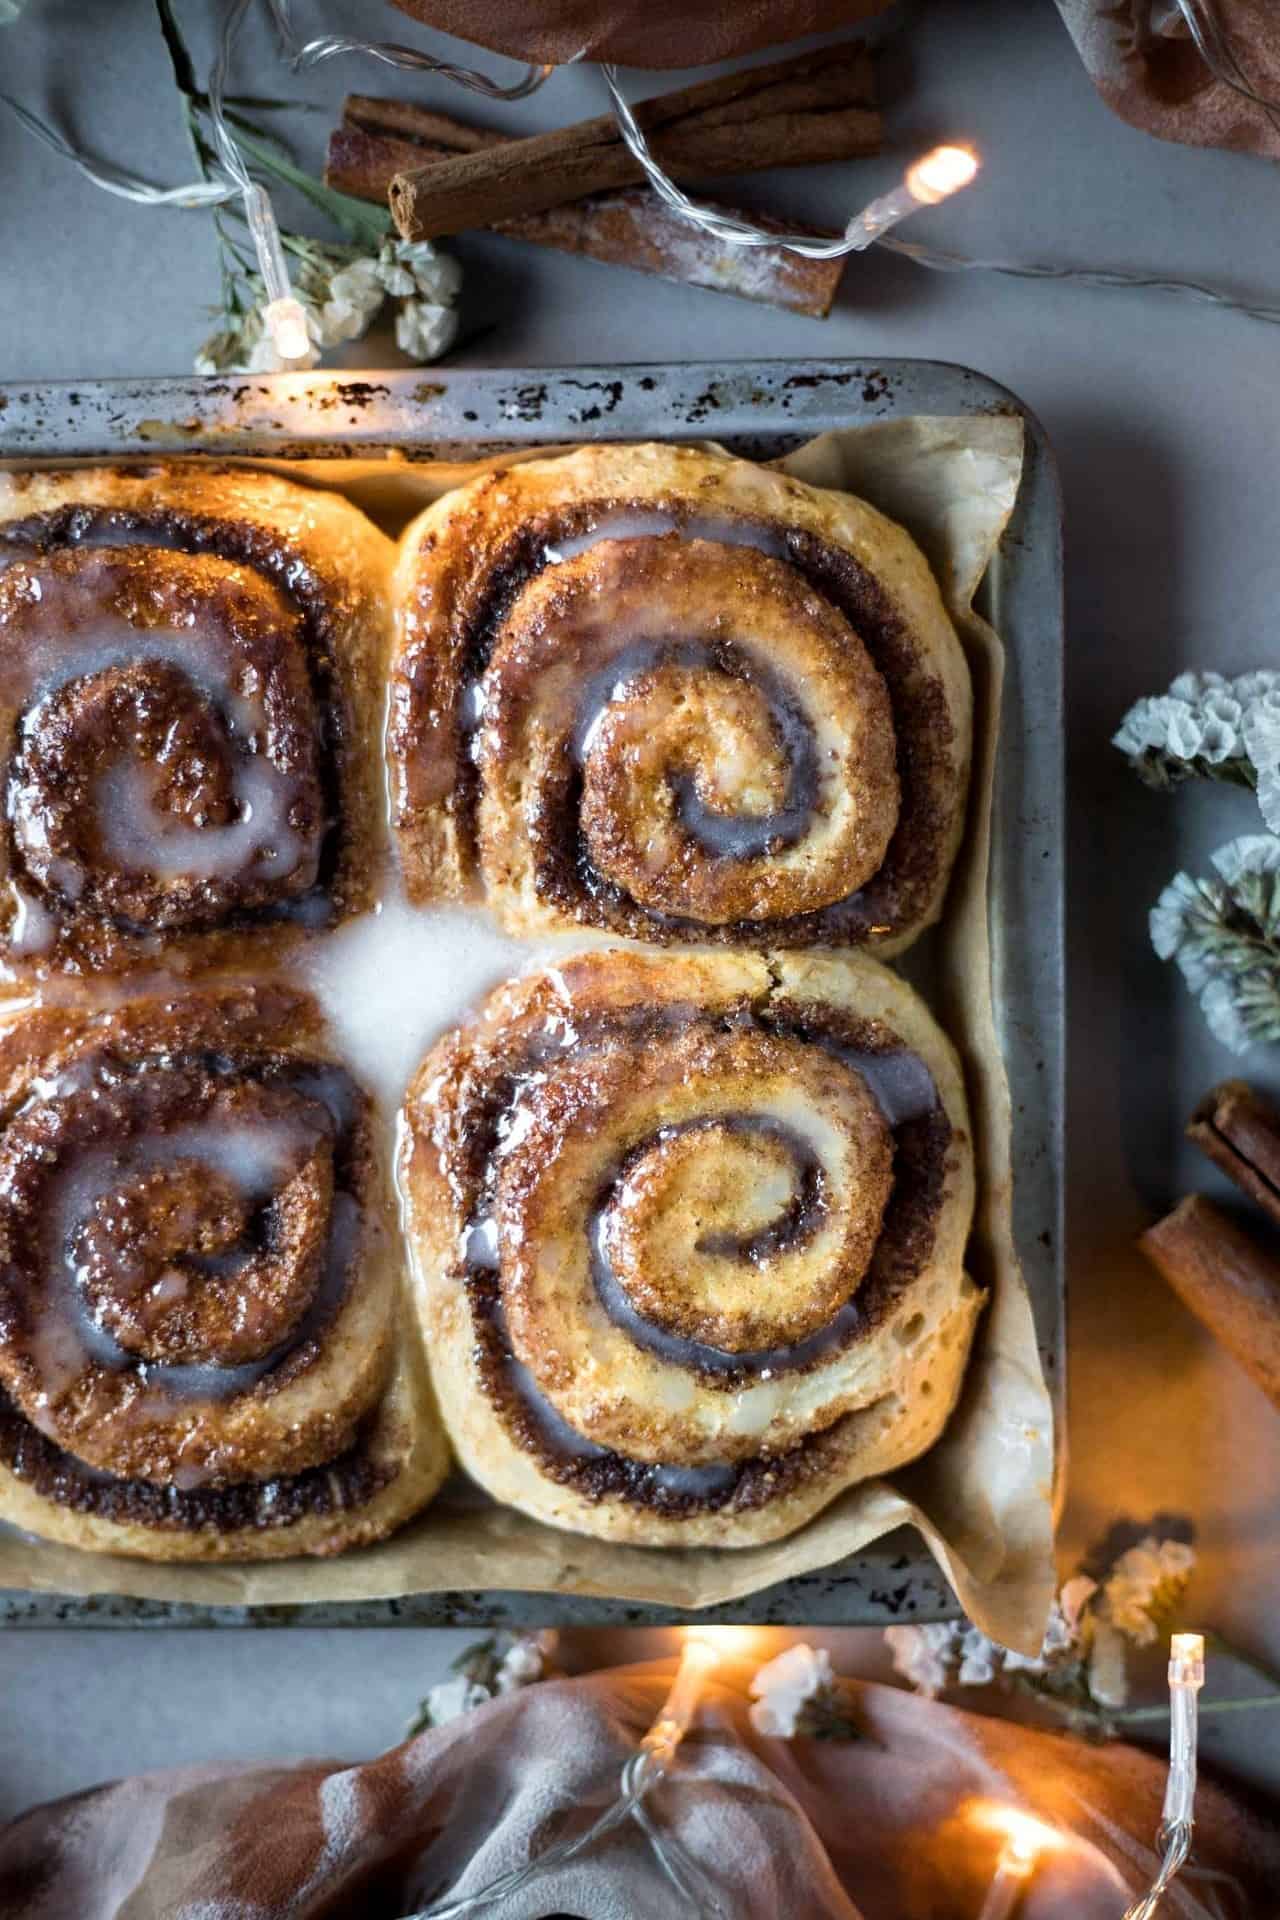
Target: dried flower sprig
[1224, 933]
[796, 1694]
[484, 1671]
[1210, 727]
[1081, 1670]
[341, 286]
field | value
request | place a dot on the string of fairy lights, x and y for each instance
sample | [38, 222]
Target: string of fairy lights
[1027, 1840]
[928, 181]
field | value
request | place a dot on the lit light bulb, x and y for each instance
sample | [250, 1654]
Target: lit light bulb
[933, 177]
[1025, 1839]
[940, 173]
[286, 322]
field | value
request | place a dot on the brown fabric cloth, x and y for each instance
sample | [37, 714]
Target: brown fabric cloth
[881, 1828]
[636, 33]
[1145, 64]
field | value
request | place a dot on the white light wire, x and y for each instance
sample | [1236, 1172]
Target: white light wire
[1177, 1822]
[125, 185]
[1214, 51]
[643, 1771]
[310, 53]
[1205, 28]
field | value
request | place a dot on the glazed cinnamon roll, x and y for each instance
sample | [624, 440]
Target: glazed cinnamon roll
[192, 673]
[679, 697]
[689, 1235]
[204, 1350]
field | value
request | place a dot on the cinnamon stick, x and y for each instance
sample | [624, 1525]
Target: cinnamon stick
[812, 107]
[1240, 1132]
[1228, 1280]
[630, 228]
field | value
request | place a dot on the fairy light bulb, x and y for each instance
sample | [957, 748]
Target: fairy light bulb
[940, 173]
[1186, 1677]
[286, 322]
[933, 177]
[283, 314]
[1177, 1821]
[698, 1658]
[1025, 1840]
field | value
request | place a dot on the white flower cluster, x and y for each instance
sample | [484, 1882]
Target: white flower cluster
[1224, 934]
[1208, 724]
[1144, 1584]
[1083, 1652]
[343, 291]
[485, 1673]
[953, 1653]
[783, 1688]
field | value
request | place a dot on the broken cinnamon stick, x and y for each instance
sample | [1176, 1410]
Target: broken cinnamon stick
[630, 228]
[1240, 1132]
[1228, 1280]
[812, 107]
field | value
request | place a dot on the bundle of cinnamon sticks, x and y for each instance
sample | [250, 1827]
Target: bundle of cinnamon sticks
[579, 189]
[1227, 1275]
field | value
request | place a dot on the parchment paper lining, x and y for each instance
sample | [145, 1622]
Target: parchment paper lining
[983, 1497]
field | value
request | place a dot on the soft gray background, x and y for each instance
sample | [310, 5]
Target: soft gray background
[1164, 415]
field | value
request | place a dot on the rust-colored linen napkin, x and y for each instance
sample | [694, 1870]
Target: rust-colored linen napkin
[884, 1827]
[637, 33]
[1143, 60]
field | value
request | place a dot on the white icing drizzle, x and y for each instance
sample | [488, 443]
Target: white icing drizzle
[142, 838]
[723, 530]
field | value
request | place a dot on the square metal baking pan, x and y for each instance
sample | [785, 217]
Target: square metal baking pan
[759, 408]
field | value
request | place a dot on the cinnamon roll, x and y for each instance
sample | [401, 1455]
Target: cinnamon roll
[679, 697]
[688, 1234]
[192, 673]
[204, 1349]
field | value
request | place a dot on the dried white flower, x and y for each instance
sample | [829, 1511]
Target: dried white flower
[416, 267]
[1210, 726]
[925, 1656]
[1256, 686]
[980, 1659]
[1182, 730]
[350, 304]
[1144, 1585]
[1250, 855]
[1260, 731]
[520, 1666]
[1194, 686]
[785, 1686]
[1224, 934]
[425, 331]
[1144, 728]
[452, 1698]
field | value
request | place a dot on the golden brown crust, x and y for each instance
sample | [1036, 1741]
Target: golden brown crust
[688, 1236]
[202, 1348]
[679, 697]
[192, 663]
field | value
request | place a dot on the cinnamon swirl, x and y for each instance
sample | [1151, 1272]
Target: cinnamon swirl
[192, 666]
[203, 1341]
[679, 697]
[688, 1234]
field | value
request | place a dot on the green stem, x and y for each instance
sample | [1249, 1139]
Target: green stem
[1136, 1716]
[364, 224]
